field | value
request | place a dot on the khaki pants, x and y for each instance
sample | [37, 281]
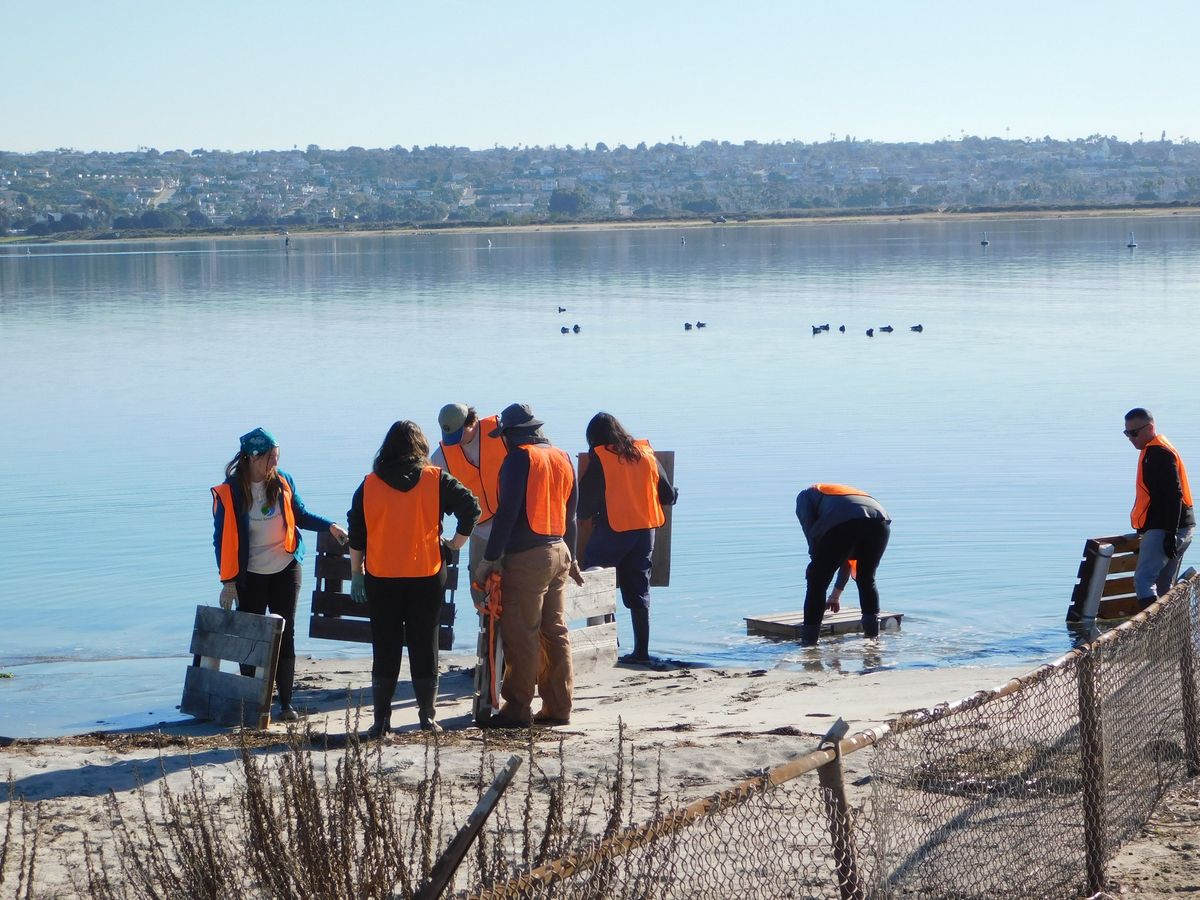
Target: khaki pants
[533, 627]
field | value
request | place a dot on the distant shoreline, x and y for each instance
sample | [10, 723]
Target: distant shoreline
[881, 217]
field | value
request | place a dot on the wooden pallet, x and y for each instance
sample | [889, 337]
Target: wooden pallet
[787, 624]
[1106, 571]
[238, 638]
[335, 616]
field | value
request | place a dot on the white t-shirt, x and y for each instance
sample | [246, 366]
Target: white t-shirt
[471, 451]
[267, 531]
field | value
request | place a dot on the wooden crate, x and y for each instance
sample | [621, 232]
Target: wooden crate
[660, 559]
[231, 698]
[787, 624]
[1107, 570]
[335, 616]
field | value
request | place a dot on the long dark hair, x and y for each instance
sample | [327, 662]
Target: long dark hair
[605, 431]
[238, 469]
[404, 443]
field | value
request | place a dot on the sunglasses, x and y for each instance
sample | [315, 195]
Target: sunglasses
[1132, 432]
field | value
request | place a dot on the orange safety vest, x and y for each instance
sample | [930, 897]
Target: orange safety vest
[551, 480]
[840, 490]
[230, 565]
[631, 489]
[404, 527]
[483, 480]
[1141, 500]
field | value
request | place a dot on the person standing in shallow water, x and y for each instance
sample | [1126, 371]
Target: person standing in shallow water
[396, 565]
[623, 491]
[843, 526]
[257, 517]
[1162, 508]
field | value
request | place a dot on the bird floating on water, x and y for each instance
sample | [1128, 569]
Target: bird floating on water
[870, 332]
[888, 328]
[842, 329]
[817, 329]
[576, 329]
[701, 324]
[562, 309]
[565, 330]
[917, 328]
[687, 326]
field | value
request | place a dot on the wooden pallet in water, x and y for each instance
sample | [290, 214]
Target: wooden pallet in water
[787, 624]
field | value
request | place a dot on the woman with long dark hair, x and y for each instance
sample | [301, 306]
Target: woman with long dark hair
[623, 492]
[257, 517]
[396, 566]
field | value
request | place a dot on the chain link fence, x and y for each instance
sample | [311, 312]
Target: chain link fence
[1023, 791]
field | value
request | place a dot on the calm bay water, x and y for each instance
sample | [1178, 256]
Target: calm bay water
[993, 437]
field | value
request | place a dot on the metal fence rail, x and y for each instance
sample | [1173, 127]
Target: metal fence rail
[1024, 791]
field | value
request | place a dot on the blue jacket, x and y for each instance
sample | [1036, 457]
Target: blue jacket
[304, 519]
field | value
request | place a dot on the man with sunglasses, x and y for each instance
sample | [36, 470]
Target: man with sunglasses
[1162, 508]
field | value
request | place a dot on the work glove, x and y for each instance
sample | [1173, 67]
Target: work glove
[358, 587]
[1171, 544]
[228, 596]
[575, 574]
[485, 568]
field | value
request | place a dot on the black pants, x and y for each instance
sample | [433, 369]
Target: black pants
[863, 540]
[277, 593]
[404, 611]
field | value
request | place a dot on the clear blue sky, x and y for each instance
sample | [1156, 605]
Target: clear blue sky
[117, 74]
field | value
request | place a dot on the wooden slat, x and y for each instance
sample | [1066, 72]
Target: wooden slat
[596, 597]
[1117, 587]
[228, 621]
[336, 568]
[225, 697]
[327, 543]
[1122, 543]
[1118, 608]
[593, 647]
[660, 559]
[236, 648]
[328, 603]
[1125, 562]
[335, 628]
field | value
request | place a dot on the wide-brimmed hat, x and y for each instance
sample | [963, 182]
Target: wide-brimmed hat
[516, 416]
[258, 442]
[452, 419]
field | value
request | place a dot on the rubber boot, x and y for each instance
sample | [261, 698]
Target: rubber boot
[809, 634]
[285, 674]
[382, 692]
[425, 690]
[870, 626]
[1145, 602]
[641, 621]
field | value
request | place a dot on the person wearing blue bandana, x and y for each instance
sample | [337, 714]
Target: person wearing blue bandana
[257, 517]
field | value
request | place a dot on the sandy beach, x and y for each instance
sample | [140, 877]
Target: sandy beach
[699, 730]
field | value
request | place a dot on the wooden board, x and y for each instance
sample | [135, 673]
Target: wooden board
[787, 624]
[660, 558]
[231, 698]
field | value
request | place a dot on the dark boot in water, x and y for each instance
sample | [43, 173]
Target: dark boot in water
[285, 674]
[641, 633]
[382, 692]
[870, 626]
[425, 690]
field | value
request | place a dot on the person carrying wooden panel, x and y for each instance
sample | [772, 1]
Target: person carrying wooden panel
[623, 491]
[1162, 508]
[841, 523]
[533, 547]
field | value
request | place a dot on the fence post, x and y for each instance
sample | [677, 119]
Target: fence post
[837, 808]
[1191, 712]
[1092, 766]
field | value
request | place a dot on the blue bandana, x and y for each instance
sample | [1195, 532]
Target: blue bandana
[258, 442]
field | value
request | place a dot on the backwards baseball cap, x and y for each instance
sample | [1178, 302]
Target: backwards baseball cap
[517, 416]
[258, 442]
[453, 418]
